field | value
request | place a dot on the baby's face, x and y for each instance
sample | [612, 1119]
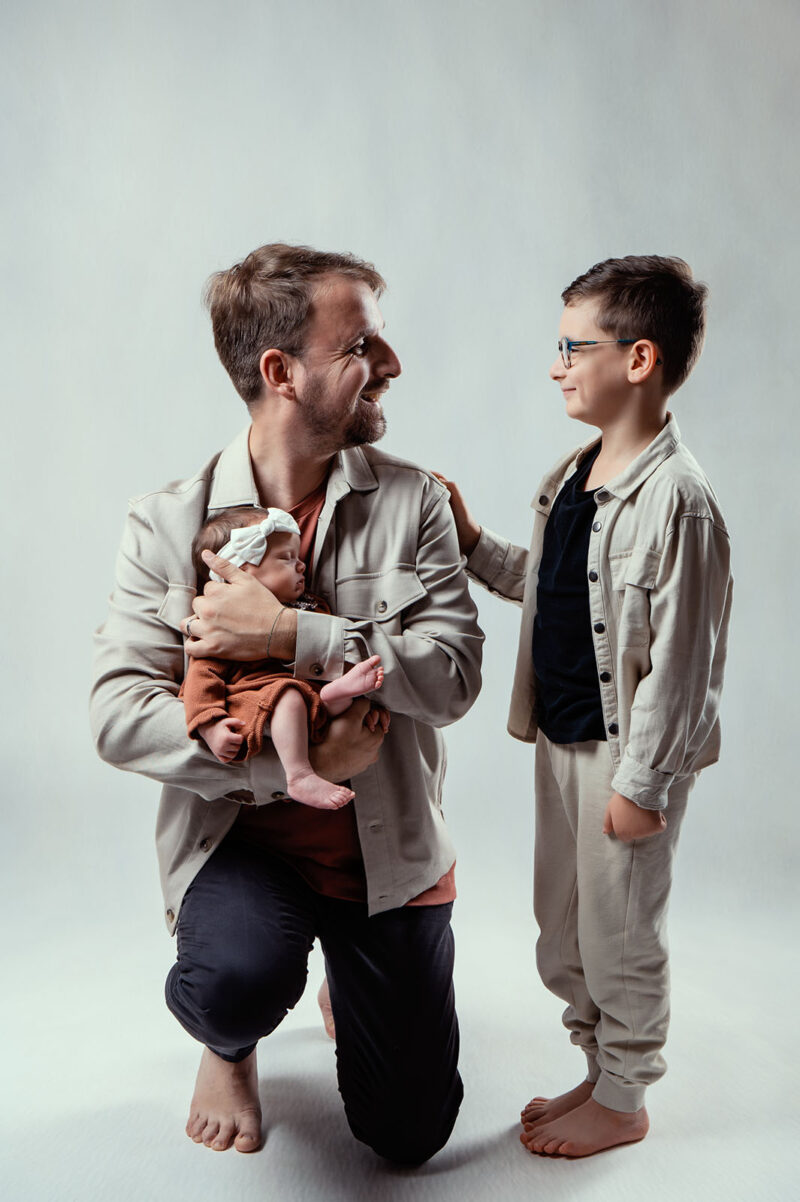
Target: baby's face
[281, 570]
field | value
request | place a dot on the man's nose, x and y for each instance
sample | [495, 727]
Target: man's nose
[386, 363]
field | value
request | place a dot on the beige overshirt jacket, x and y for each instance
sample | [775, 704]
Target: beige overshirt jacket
[386, 560]
[660, 595]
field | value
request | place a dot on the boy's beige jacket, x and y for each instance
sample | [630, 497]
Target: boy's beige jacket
[386, 560]
[660, 595]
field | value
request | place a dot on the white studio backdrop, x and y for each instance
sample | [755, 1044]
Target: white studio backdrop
[482, 155]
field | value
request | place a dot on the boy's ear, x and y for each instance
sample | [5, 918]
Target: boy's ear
[276, 369]
[643, 360]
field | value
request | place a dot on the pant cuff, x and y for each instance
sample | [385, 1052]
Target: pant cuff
[616, 1094]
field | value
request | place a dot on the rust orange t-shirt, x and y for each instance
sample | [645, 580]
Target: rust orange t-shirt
[322, 845]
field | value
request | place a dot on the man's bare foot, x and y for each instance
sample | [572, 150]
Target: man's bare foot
[544, 1110]
[324, 1003]
[588, 1129]
[225, 1107]
[363, 678]
[313, 790]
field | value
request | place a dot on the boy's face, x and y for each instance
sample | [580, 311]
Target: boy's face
[281, 570]
[596, 387]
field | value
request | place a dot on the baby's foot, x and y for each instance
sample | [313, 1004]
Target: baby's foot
[363, 678]
[585, 1130]
[544, 1110]
[312, 790]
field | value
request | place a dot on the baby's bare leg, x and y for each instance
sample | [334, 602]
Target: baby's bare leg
[363, 678]
[289, 733]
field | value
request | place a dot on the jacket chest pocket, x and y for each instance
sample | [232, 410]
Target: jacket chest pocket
[633, 575]
[177, 604]
[379, 596]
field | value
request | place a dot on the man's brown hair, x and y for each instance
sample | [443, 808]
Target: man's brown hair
[263, 302]
[648, 296]
[215, 533]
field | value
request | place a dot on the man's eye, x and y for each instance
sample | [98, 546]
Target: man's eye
[360, 349]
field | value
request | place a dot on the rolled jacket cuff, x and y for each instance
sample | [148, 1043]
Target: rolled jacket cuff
[642, 785]
[320, 646]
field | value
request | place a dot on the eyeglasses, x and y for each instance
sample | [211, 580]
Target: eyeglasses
[566, 346]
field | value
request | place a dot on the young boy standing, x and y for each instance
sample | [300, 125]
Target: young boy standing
[625, 595]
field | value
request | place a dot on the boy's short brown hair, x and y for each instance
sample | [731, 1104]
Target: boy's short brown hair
[263, 302]
[648, 296]
[216, 531]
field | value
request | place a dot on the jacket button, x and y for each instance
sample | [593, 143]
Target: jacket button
[601, 497]
[597, 526]
[277, 795]
[613, 729]
[316, 669]
[381, 607]
[205, 844]
[605, 677]
[170, 915]
[599, 627]
[593, 576]
[543, 500]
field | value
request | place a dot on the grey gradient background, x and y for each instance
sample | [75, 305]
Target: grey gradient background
[482, 155]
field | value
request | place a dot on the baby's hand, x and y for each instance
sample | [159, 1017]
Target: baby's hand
[467, 528]
[628, 821]
[222, 737]
[377, 716]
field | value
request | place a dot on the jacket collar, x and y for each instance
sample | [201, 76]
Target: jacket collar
[662, 446]
[233, 482]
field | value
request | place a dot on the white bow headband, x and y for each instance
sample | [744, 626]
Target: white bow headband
[248, 544]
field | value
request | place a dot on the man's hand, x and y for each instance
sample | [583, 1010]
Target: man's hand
[467, 528]
[628, 821]
[377, 716]
[349, 747]
[238, 619]
[222, 737]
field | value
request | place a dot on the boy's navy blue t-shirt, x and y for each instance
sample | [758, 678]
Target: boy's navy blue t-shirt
[568, 707]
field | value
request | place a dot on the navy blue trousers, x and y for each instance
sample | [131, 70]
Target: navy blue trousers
[246, 927]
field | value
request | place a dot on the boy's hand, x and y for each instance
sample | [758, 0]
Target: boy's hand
[349, 746]
[222, 737]
[628, 821]
[467, 528]
[377, 716]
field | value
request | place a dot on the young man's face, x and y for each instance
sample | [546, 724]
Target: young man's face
[595, 387]
[346, 365]
[281, 570]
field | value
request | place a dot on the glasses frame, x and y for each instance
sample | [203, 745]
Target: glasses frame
[567, 345]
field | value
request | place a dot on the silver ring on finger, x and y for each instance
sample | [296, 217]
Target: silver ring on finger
[189, 627]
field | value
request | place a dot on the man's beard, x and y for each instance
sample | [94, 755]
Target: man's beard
[366, 424]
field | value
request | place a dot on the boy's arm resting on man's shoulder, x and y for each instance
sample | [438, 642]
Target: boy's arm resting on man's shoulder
[676, 704]
[499, 566]
[137, 720]
[433, 665]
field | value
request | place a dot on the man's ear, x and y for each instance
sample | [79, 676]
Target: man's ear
[644, 358]
[276, 369]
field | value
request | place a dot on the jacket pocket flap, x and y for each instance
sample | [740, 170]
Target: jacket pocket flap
[177, 605]
[639, 567]
[379, 596]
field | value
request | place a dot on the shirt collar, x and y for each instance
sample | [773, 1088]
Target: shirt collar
[233, 482]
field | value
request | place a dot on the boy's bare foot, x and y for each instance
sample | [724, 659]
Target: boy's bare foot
[588, 1129]
[225, 1107]
[543, 1110]
[324, 1003]
[363, 678]
[313, 790]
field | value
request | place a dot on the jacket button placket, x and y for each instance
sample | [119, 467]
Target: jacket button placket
[602, 648]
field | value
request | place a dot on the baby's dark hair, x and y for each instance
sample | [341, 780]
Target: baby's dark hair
[648, 296]
[215, 533]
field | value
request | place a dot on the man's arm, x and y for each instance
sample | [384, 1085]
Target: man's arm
[137, 720]
[676, 704]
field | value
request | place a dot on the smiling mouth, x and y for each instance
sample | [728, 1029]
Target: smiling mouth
[374, 396]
